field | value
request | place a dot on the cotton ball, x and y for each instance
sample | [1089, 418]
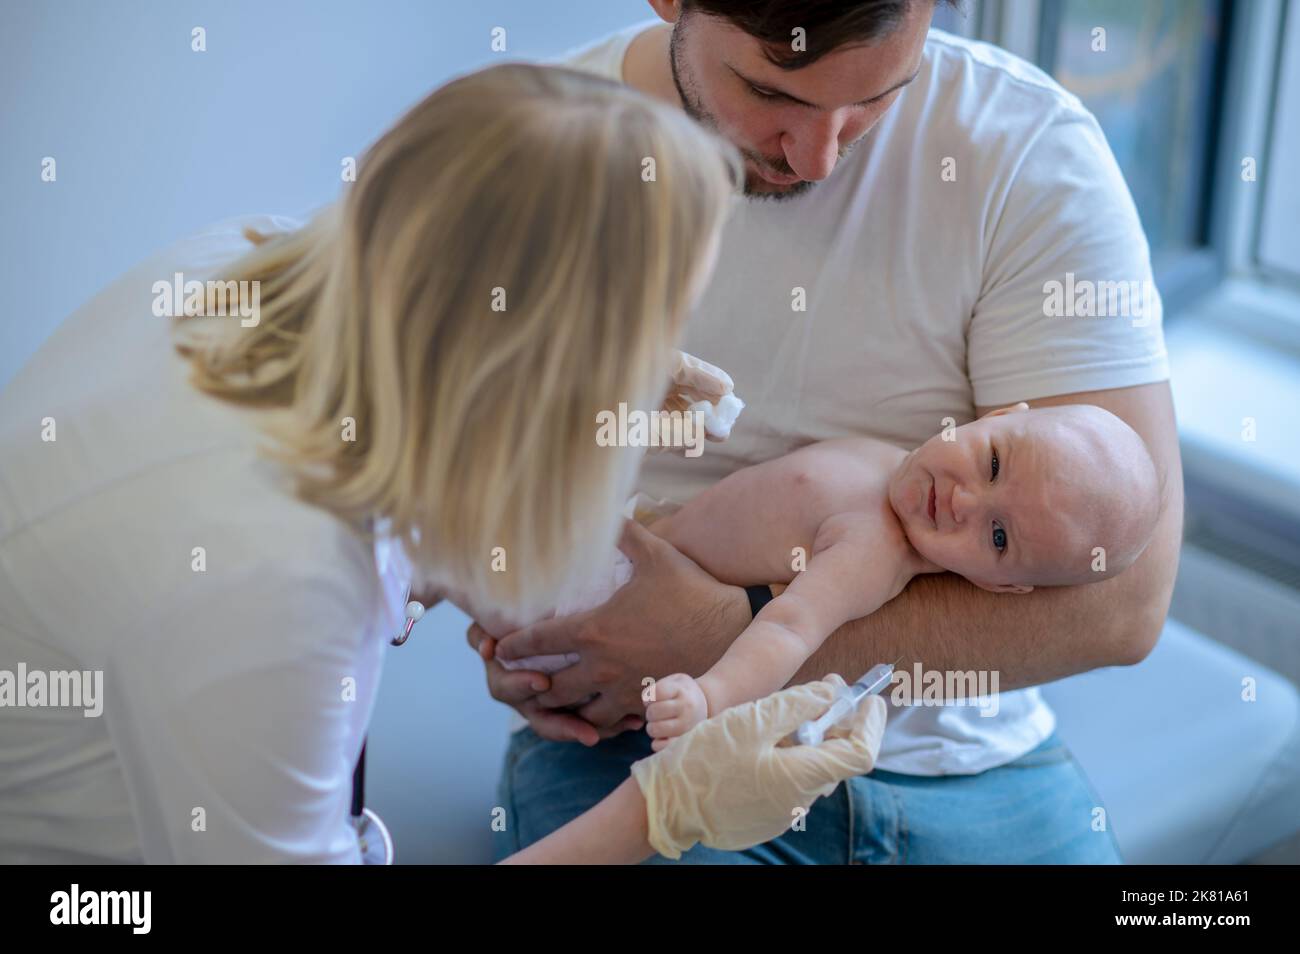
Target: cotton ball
[720, 418]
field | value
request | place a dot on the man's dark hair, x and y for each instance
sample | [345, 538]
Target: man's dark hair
[827, 24]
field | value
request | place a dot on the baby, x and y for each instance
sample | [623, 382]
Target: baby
[1019, 498]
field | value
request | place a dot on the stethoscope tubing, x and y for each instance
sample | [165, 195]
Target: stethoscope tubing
[414, 612]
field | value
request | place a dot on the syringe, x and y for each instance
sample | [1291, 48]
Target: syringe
[814, 731]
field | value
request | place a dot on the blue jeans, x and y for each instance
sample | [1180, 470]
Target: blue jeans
[1038, 809]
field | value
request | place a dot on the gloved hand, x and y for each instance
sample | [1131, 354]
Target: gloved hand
[693, 381]
[728, 784]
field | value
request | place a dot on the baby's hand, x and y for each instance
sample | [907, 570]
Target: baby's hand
[679, 704]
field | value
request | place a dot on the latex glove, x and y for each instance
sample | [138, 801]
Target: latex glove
[728, 784]
[693, 380]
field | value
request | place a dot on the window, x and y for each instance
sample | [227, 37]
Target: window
[1200, 101]
[1150, 72]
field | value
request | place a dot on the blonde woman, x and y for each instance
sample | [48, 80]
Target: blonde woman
[193, 511]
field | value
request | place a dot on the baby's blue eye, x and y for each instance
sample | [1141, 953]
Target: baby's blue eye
[995, 466]
[999, 538]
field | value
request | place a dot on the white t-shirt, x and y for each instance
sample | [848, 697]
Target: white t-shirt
[924, 299]
[225, 671]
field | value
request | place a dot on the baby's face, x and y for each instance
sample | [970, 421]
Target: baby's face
[1010, 501]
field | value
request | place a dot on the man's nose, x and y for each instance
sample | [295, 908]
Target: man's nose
[813, 147]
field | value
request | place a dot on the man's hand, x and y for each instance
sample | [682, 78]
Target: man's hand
[518, 688]
[670, 617]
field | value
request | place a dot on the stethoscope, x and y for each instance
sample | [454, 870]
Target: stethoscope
[414, 613]
[373, 838]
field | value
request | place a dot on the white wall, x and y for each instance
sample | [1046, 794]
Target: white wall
[153, 140]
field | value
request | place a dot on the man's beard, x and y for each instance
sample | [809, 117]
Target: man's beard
[695, 109]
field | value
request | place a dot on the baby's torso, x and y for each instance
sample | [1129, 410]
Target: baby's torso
[752, 526]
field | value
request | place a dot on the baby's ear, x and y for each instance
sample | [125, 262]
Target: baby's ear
[1004, 587]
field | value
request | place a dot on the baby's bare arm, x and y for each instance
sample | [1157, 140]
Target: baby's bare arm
[861, 560]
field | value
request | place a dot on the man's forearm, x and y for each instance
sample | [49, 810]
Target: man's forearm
[945, 623]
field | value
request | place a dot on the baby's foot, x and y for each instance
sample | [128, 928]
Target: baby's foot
[679, 703]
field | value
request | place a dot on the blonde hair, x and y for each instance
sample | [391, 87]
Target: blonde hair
[476, 428]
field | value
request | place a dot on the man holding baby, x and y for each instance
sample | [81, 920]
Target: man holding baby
[909, 196]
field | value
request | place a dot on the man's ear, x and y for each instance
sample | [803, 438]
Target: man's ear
[1004, 587]
[669, 10]
[1013, 409]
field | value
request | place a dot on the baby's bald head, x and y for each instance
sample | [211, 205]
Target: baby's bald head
[1021, 498]
[1105, 487]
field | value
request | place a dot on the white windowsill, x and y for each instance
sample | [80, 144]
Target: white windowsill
[1234, 356]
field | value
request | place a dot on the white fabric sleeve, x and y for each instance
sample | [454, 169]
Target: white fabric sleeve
[238, 708]
[1065, 209]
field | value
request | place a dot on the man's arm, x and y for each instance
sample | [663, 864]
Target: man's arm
[945, 623]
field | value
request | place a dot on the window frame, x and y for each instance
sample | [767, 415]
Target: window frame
[1282, 27]
[1256, 301]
